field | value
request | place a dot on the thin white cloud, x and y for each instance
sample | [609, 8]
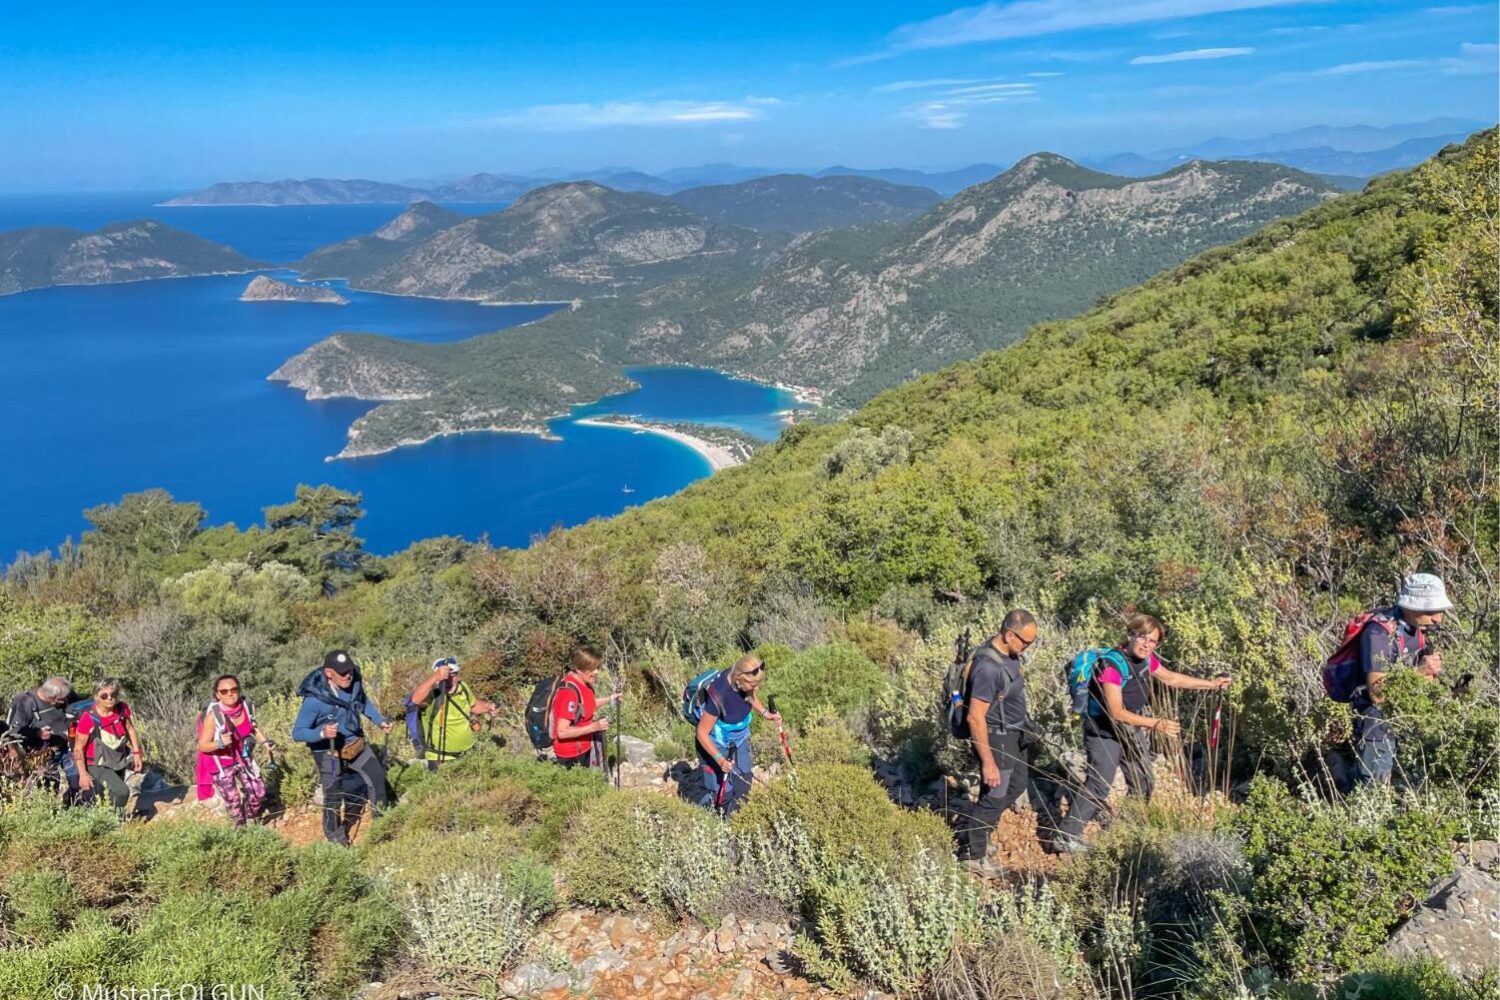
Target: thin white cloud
[997, 21]
[1191, 55]
[950, 109]
[1473, 59]
[900, 85]
[1374, 66]
[1457, 10]
[630, 114]
[1043, 76]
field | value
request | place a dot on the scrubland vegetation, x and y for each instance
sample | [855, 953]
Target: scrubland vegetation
[1253, 447]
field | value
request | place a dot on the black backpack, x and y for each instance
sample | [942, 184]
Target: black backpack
[955, 683]
[539, 711]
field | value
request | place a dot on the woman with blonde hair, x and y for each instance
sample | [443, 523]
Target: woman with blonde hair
[724, 733]
[104, 729]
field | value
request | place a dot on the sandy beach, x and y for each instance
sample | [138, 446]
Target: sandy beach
[719, 457]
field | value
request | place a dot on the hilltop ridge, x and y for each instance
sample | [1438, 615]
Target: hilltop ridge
[43, 256]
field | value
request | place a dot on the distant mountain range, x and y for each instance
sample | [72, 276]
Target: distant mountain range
[1356, 152]
[43, 256]
[792, 203]
[847, 310]
[1319, 149]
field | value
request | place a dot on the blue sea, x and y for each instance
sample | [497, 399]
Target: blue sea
[109, 389]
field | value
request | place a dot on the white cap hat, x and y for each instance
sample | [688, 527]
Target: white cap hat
[1423, 592]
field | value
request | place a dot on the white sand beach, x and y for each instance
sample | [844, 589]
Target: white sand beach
[719, 457]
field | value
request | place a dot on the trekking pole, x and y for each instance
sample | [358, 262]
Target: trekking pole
[786, 746]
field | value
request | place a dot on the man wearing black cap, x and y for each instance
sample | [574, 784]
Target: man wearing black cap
[331, 723]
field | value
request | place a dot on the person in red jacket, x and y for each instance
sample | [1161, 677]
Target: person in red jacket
[577, 729]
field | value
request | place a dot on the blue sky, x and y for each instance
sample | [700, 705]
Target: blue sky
[166, 95]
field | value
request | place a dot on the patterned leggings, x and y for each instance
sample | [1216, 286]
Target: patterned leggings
[243, 791]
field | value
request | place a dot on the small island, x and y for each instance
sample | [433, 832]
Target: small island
[264, 289]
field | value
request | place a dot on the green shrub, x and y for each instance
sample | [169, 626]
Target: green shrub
[292, 781]
[826, 739]
[491, 788]
[642, 849]
[213, 936]
[1424, 979]
[1331, 881]
[94, 950]
[842, 811]
[468, 924]
[81, 843]
[188, 857]
[39, 904]
[892, 926]
[836, 675]
[1445, 741]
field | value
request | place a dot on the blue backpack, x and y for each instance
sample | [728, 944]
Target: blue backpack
[1083, 670]
[696, 693]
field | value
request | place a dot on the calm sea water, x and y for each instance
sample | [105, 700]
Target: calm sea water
[109, 389]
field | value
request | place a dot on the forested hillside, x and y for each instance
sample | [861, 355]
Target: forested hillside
[1252, 446]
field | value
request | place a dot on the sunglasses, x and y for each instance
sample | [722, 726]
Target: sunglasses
[756, 672]
[233, 690]
[1025, 642]
[105, 697]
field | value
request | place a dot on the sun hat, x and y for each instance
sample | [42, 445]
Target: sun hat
[1423, 592]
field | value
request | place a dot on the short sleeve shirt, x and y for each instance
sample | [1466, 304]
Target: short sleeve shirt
[574, 704]
[730, 710]
[995, 679]
[1381, 651]
[112, 729]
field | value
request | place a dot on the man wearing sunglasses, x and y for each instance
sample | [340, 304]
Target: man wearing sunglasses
[998, 721]
[447, 714]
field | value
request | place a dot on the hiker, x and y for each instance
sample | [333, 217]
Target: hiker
[446, 720]
[724, 733]
[1388, 638]
[577, 734]
[1117, 718]
[102, 734]
[40, 719]
[227, 733]
[330, 722]
[999, 736]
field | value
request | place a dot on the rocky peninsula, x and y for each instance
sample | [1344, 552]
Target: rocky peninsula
[267, 289]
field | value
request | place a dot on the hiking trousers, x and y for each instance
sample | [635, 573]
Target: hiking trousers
[109, 782]
[973, 821]
[726, 792]
[1374, 746]
[347, 786]
[1106, 756]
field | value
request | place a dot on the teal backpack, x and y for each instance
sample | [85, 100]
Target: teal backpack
[696, 693]
[1083, 670]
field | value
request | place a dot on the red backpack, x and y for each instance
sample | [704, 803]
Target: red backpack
[1342, 675]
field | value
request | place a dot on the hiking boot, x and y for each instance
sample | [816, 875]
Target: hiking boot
[1069, 845]
[983, 868]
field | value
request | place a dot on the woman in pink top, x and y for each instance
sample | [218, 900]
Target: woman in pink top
[225, 764]
[100, 745]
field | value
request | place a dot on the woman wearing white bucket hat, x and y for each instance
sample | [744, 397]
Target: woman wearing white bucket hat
[1390, 638]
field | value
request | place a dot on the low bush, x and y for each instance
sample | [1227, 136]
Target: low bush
[641, 849]
[187, 857]
[469, 924]
[1444, 740]
[1331, 881]
[836, 675]
[38, 905]
[827, 740]
[294, 777]
[842, 812]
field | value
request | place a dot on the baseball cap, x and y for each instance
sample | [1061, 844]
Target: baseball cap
[340, 662]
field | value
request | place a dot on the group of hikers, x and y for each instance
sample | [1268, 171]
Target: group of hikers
[984, 698]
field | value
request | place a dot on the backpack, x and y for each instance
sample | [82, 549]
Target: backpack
[955, 681]
[1342, 676]
[539, 710]
[219, 726]
[696, 693]
[1083, 670]
[414, 719]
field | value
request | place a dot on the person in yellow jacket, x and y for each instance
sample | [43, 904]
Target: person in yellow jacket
[446, 713]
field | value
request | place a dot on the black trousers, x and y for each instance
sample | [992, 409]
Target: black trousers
[347, 786]
[1106, 756]
[973, 821]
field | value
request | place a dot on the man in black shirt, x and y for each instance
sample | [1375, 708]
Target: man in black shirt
[998, 719]
[40, 718]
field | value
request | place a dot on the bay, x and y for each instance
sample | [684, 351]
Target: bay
[109, 389]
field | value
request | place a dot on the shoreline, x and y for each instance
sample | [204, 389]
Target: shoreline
[717, 456]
